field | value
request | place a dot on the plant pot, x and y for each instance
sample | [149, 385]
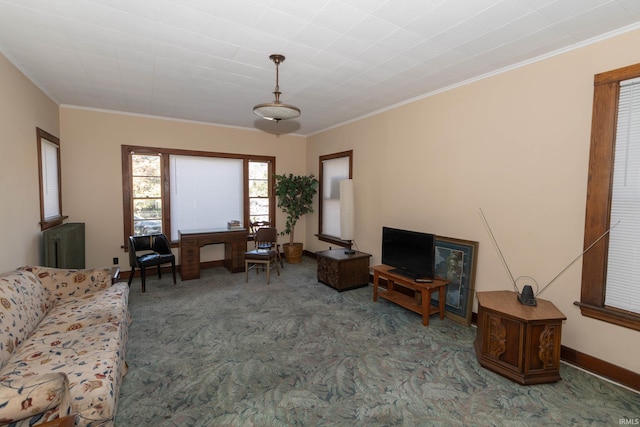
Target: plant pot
[293, 252]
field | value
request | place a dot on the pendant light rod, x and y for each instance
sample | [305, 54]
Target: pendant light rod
[277, 59]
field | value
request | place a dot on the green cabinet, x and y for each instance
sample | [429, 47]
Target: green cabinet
[64, 246]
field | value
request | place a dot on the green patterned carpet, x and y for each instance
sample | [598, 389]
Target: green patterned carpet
[219, 352]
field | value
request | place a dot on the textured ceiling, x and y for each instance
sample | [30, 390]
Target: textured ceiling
[208, 60]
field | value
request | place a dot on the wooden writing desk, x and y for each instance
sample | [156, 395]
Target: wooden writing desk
[190, 241]
[421, 303]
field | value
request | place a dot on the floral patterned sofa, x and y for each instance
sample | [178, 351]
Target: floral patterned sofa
[63, 336]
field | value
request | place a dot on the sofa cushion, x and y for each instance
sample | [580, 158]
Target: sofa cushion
[108, 306]
[34, 399]
[23, 304]
[63, 283]
[91, 357]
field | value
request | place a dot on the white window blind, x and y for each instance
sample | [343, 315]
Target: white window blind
[50, 189]
[333, 171]
[206, 192]
[623, 272]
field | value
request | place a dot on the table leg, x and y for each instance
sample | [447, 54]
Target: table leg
[376, 276]
[426, 306]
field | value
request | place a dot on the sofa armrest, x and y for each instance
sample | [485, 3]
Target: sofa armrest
[64, 283]
[39, 398]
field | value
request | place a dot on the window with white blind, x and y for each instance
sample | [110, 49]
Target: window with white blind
[623, 272]
[610, 289]
[50, 182]
[333, 168]
[166, 190]
[206, 192]
[333, 171]
[49, 174]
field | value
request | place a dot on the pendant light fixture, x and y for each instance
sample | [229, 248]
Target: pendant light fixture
[276, 110]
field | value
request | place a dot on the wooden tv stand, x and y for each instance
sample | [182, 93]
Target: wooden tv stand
[420, 302]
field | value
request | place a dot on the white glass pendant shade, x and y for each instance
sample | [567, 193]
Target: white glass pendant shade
[276, 111]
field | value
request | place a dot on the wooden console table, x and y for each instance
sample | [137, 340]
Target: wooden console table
[420, 303]
[343, 271]
[517, 341]
[190, 241]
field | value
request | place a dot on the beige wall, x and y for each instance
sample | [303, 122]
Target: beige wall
[92, 179]
[515, 145]
[23, 107]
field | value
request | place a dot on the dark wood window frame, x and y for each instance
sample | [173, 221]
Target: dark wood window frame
[46, 223]
[598, 207]
[270, 186]
[127, 193]
[320, 235]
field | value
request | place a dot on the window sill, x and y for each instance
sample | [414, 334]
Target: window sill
[52, 222]
[335, 240]
[612, 315]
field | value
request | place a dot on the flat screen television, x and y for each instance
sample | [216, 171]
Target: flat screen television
[411, 253]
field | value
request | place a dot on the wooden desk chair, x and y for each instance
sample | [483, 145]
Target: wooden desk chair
[157, 251]
[264, 254]
[254, 227]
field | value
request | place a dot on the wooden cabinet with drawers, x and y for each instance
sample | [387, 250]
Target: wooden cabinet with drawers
[343, 271]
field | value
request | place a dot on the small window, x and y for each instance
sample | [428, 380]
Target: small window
[146, 184]
[333, 169]
[50, 180]
[259, 172]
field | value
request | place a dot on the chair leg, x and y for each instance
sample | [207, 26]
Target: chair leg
[159, 272]
[268, 272]
[142, 276]
[246, 271]
[133, 268]
[277, 269]
[173, 270]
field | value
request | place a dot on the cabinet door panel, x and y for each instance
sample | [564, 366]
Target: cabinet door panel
[503, 340]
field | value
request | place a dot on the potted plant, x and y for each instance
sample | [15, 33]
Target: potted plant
[294, 194]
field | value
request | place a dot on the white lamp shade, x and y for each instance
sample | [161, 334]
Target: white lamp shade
[346, 209]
